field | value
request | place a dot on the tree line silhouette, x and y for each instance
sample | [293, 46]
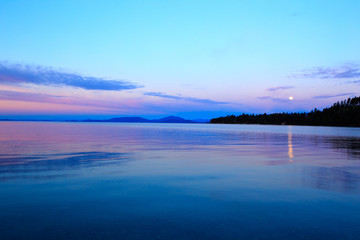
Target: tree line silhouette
[344, 113]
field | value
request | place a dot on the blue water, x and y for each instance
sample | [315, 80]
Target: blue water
[178, 181]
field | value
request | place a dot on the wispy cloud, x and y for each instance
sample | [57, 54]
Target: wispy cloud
[334, 95]
[350, 73]
[33, 97]
[190, 99]
[274, 99]
[279, 88]
[16, 74]
[56, 99]
[346, 72]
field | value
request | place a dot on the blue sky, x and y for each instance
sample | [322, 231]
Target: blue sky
[195, 59]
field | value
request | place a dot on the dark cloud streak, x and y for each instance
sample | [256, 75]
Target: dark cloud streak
[334, 95]
[19, 74]
[344, 72]
[279, 88]
[274, 99]
[190, 99]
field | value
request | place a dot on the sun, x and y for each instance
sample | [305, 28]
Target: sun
[291, 98]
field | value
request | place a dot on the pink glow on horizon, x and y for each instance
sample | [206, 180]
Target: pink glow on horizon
[22, 107]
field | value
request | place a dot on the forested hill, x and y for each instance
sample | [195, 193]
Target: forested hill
[344, 113]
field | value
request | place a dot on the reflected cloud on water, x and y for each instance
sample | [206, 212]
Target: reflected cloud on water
[47, 166]
[342, 179]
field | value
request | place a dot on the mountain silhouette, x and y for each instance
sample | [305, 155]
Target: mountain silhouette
[128, 119]
[170, 119]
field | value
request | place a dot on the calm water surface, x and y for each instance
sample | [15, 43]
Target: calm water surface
[178, 181]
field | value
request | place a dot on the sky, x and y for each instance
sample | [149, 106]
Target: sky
[195, 59]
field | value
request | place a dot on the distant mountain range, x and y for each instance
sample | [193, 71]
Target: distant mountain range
[170, 119]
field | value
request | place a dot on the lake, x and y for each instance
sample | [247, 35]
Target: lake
[178, 181]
